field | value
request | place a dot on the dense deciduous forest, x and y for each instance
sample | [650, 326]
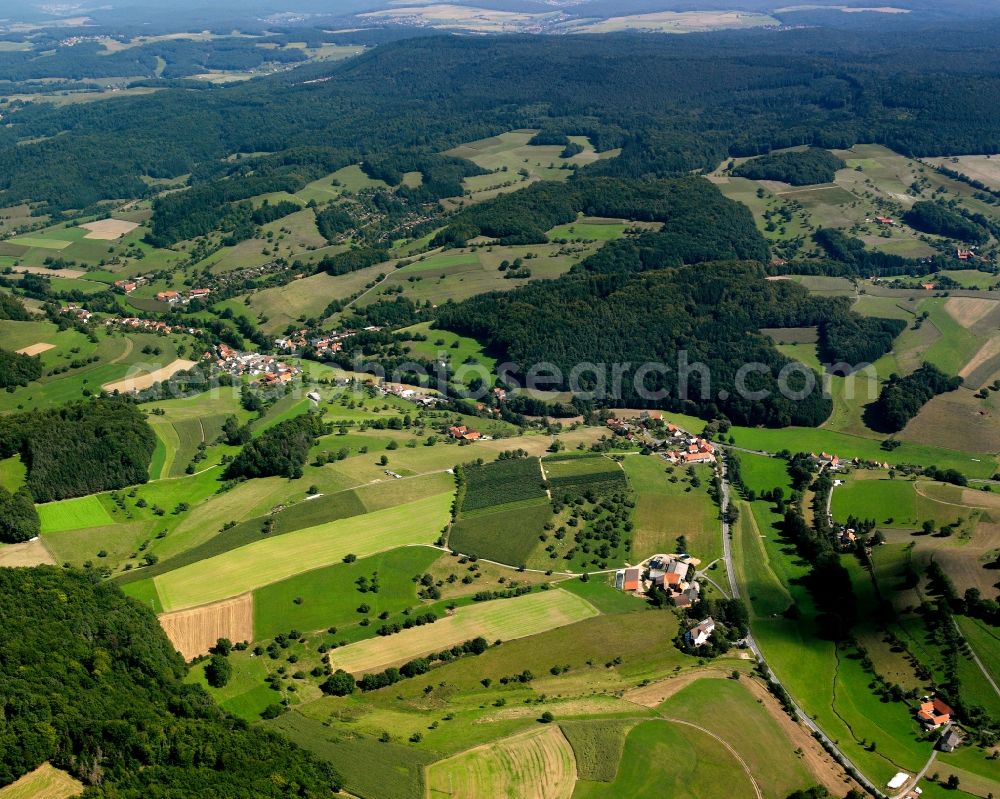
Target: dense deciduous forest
[18, 517]
[798, 168]
[673, 104]
[12, 308]
[81, 448]
[92, 685]
[932, 217]
[698, 222]
[17, 369]
[854, 339]
[903, 397]
[711, 311]
[280, 450]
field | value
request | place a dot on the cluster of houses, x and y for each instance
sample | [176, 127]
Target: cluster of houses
[128, 285]
[635, 426]
[698, 450]
[267, 369]
[825, 460]
[410, 394]
[295, 343]
[172, 297]
[148, 325]
[75, 310]
[669, 572]
[462, 433]
[934, 713]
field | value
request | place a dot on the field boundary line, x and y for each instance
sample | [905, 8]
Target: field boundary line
[730, 749]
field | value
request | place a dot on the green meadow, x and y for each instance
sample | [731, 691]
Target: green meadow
[272, 560]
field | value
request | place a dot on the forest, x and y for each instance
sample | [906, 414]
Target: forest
[698, 222]
[280, 450]
[18, 518]
[932, 217]
[798, 168]
[93, 686]
[17, 369]
[854, 339]
[671, 104]
[902, 397]
[711, 311]
[80, 448]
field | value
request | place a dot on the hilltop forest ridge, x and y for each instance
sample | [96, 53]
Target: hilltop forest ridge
[500, 399]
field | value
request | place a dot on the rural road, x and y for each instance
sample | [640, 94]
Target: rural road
[727, 553]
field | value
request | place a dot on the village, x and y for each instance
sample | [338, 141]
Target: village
[267, 369]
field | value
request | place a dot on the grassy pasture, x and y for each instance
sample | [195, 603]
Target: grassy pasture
[659, 759]
[503, 619]
[537, 764]
[983, 168]
[442, 344]
[368, 766]
[272, 560]
[732, 712]
[73, 514]
[597, 745]
[462, 273]
[301, 514]
[665, 511]
[906, 503]
[508, 156]
[330, 597]
[766, 593]
[12, 473]
[763, 474]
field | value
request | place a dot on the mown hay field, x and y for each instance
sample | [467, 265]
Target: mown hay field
[502, 619]
[45, 782]
[193, 632]
[537, 764]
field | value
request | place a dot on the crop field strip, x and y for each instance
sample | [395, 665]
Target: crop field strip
[503, 619]
[269, 561]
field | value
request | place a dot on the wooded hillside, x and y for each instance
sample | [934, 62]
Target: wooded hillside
[92, 685]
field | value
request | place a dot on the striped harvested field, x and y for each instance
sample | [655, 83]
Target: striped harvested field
[538, 764]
